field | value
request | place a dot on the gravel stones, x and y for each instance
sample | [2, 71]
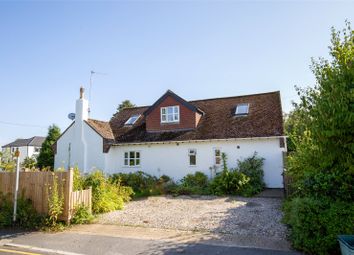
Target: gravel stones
[223, 215]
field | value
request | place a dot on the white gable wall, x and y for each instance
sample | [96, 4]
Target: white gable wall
[85, 159]
[173, 160]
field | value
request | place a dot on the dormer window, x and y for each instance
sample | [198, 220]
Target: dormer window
[242, 109]
[170, 114]
[132, 120]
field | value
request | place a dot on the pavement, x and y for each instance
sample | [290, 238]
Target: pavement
[101, 239]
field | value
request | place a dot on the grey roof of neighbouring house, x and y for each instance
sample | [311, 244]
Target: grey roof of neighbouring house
[33, 141]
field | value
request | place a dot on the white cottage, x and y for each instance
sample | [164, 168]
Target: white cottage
[176, 137]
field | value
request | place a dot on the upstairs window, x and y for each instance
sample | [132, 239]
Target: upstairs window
[132, 120]
[192, 153]
[37, 149]
[242, 109]
[132, 158]
[170, 114]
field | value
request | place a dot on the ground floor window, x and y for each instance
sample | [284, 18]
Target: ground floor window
[192, 153]
[132, 158]
[218, 158]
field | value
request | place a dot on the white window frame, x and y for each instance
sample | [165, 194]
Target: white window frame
[215, 157]
[242, 113]
[135, 158]
[166, 114]
[127, 123]
[191, 153]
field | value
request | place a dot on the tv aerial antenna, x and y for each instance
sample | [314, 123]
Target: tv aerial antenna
[90, 88]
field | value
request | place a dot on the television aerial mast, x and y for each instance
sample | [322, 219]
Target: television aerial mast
[90, 88]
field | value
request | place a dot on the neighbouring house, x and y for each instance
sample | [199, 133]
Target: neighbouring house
[176, 137]
[29, 147]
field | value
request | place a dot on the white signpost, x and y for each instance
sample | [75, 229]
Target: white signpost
[17, 155]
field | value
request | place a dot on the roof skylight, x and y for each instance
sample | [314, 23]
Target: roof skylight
[242, 109]
[132, 120]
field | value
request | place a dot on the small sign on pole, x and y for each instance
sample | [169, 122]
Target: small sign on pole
[17, 155]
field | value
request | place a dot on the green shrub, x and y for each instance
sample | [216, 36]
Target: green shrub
[79, 180]
[198, 179]
[55, 204]
[316, 223]
[253, 168]
[106, 195]
[82, 215]
[142, 183]
[27, 217]
[229, 182]
[193, 184]
[6, 211]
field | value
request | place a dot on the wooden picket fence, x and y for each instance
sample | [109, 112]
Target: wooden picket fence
[36, 186]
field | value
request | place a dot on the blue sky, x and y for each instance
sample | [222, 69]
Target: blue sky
[200, 49]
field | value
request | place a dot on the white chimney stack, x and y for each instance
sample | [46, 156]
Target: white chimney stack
[82, 108]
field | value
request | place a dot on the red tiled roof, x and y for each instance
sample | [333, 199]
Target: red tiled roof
[218, 122]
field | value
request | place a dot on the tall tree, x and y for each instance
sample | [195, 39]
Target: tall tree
[324, 154]
[46, 156]
[125, 104]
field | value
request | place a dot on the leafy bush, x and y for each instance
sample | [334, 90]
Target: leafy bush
[142, 183]
[315, 223]
[82, 215]
[55, 204]
[79, 180]
[27, 217]
[253, 168]
[198, 179]
[106, 195]
[191, 184]
[6, 211]
[229, 182]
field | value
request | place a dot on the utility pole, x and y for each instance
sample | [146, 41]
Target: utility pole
[17, 155]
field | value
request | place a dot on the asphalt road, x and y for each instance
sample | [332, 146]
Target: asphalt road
[98, 244]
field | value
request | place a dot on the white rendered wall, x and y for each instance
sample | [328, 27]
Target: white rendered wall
[173, 160]
[61, 159]
[94, 158]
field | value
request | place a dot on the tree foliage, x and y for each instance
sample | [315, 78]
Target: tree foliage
[322, 164]
[125, 104]
[46, 156]
[29, 162]
[323, 161]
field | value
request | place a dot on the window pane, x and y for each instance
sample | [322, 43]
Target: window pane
[163, 117]
[217, 153]
[192, 160]
[170, 118]
[217, 161]
[137, 155]
[137, 162]
[242, 109]
[175, 109]
[125, 154]
[132, 154]
[131, 162]
[176, 117]
[163, 110]
[125, 162]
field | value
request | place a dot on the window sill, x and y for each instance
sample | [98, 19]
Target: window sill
[131, 166]
[170, 123]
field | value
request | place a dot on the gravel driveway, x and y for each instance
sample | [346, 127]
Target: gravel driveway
[223, 215]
